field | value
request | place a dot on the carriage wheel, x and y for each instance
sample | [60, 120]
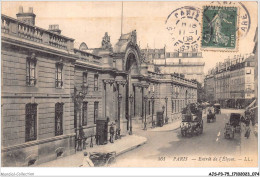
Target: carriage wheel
[183, 133]
[111, 160]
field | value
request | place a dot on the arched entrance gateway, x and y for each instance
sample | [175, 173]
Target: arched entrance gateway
[132, 69]
[131, 65]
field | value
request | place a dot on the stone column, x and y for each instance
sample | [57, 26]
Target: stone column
[109, 98]
[123, 121]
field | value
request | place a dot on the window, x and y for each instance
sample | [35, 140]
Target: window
[95, 111]
[59, 82]
[30, 71]
[175, 110]
[172, 106]
[178, 106]
[85, 79]
[153, 107]
[58, 118]
[85, 113]
[30, 122]
[96, 82]
[149, 107]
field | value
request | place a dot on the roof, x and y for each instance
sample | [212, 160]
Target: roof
[45, 30]
[124, 41]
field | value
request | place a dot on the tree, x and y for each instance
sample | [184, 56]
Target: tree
[200, 91]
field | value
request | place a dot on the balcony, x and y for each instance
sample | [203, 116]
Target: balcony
[19, 29]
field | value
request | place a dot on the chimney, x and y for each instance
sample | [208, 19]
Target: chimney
[27, 17]
[21, 9]
[30, 10]
[54, 28]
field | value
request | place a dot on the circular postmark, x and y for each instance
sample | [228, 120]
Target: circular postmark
[244, 18]
[184, 27]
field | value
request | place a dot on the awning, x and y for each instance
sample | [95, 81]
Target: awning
[251, 105]
[253, 108]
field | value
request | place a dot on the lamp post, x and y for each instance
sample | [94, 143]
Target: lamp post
[131, 101]
[163, 108]
[145, 100]
[166, 118]
[78, 100]
[152, 98]
[119, 106]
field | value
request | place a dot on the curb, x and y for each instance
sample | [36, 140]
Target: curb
[131, 148]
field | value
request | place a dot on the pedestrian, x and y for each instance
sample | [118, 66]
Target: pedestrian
[87, 162]
[247, 121]
[248, 130]
[253, 117]
[112, 132]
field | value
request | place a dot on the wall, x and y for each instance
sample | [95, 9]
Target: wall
[16, 94]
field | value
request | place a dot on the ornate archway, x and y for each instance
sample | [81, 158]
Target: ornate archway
[127, 46]
[132, 68]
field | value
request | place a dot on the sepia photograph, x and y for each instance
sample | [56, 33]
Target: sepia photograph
[129, 84]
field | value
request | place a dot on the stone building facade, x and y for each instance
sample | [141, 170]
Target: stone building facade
[209, 86]
[37, 83]
[52, 93]
[234, 82]
[188, 63]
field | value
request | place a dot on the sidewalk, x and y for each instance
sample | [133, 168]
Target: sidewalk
[167, 127]
[121, 146]
[171, 125]
[248, 147]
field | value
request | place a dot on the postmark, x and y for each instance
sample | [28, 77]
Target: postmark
[219, 29]
[184, 27]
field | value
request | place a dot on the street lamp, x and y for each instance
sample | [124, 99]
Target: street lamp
[163, 108]
[78, 100]
[145, 100]
[152, 98]
[119, 106]
[166, 118]
[131, 99]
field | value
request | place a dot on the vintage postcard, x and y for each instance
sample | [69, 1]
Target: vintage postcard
[129, 84]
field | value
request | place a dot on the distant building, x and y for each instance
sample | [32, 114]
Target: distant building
[234, 82]
[57, 98]
[255, 51]
[188, 63]
[209, 86]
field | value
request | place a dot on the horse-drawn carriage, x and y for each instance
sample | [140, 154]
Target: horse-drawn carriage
[233, 126]
[102, 159]
[192, 123]
[217, 108]
[211, 116]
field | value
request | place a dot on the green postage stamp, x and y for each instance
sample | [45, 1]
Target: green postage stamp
[219, 30]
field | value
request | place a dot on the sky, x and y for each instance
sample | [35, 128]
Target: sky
[88, 21]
